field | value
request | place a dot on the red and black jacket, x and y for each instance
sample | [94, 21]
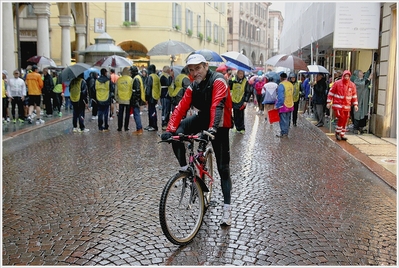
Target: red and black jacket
[211, 97]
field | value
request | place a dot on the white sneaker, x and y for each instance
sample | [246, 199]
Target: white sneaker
[84, 130]
[94, 117]
[75, 130]
[33, 115]
[184, 168]
[179, 183]
[226, 219]
[39, 121]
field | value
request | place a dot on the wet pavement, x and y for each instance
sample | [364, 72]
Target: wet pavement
[92, 199]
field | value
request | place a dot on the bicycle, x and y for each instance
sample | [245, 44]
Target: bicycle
[187, 195]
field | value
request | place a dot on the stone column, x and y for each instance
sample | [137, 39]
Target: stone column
[9, 56]
[65, 23]
[42, 10]
[80, 41]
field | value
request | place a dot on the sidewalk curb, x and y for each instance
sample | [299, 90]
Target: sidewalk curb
[385, 175]
[33, 127]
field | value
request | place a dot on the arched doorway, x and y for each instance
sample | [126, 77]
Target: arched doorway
[137, 52]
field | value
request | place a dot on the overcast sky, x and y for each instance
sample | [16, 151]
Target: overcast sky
[278, 6]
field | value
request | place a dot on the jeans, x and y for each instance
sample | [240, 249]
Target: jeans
[78, 113]
[152, 115]
[137, 117]
[103, 111]
[166, 105]
[68, 103]
[285, 119]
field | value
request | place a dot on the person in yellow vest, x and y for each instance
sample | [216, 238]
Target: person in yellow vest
[240, 94]
[284, 104]
[152, 95]
[80, 102]
[182, 81]
[123, 94]
[166, 86]
[138, 97]
[57, 91]
[34, 83]
[105, 91]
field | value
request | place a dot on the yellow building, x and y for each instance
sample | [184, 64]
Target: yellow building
[134, 26]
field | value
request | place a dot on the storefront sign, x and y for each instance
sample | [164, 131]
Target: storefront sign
[357, 25]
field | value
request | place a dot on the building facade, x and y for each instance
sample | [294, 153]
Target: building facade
[276, 22]
[61, 30]
[248, 26]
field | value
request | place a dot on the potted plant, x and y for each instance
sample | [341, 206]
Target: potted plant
[209, 39]
[200, 36]
[126, 23]
[177, 27]
[189, 32]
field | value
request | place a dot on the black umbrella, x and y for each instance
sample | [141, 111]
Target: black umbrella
[73, 71]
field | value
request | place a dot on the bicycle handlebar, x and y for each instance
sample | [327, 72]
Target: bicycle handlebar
[183, 137]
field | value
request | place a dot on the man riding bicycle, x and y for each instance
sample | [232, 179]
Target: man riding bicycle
[209, 93]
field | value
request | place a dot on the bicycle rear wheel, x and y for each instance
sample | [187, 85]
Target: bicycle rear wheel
[208, 168]
[181, 209]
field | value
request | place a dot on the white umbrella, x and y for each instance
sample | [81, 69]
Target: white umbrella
[113, 61]
[238, 59]
[42, 61]
[317, 69]
[288, 61]
[170, 47]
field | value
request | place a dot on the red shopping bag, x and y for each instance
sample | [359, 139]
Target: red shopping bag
[273, 116]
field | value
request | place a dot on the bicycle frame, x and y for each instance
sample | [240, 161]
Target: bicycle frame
[197, 168]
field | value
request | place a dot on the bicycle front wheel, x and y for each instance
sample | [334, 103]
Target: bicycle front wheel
[181, 209]
[207, 180]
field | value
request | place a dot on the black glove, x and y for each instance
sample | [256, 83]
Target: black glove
[166, 136]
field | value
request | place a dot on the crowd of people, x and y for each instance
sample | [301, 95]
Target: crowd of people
[30, 92]
[125, 94]
[194, 100]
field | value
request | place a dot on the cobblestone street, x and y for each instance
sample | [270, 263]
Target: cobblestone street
[93, 199]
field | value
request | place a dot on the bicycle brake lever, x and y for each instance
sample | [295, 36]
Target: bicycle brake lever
[209, 134]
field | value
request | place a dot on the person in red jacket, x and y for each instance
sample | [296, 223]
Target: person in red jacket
[210, 94]
[342, 95]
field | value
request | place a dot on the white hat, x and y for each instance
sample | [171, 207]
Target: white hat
[5, 72]
[195, 59]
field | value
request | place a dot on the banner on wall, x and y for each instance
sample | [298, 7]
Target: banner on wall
[99, 25]
[356, 25]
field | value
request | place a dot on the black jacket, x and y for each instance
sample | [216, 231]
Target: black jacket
[48, 84]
